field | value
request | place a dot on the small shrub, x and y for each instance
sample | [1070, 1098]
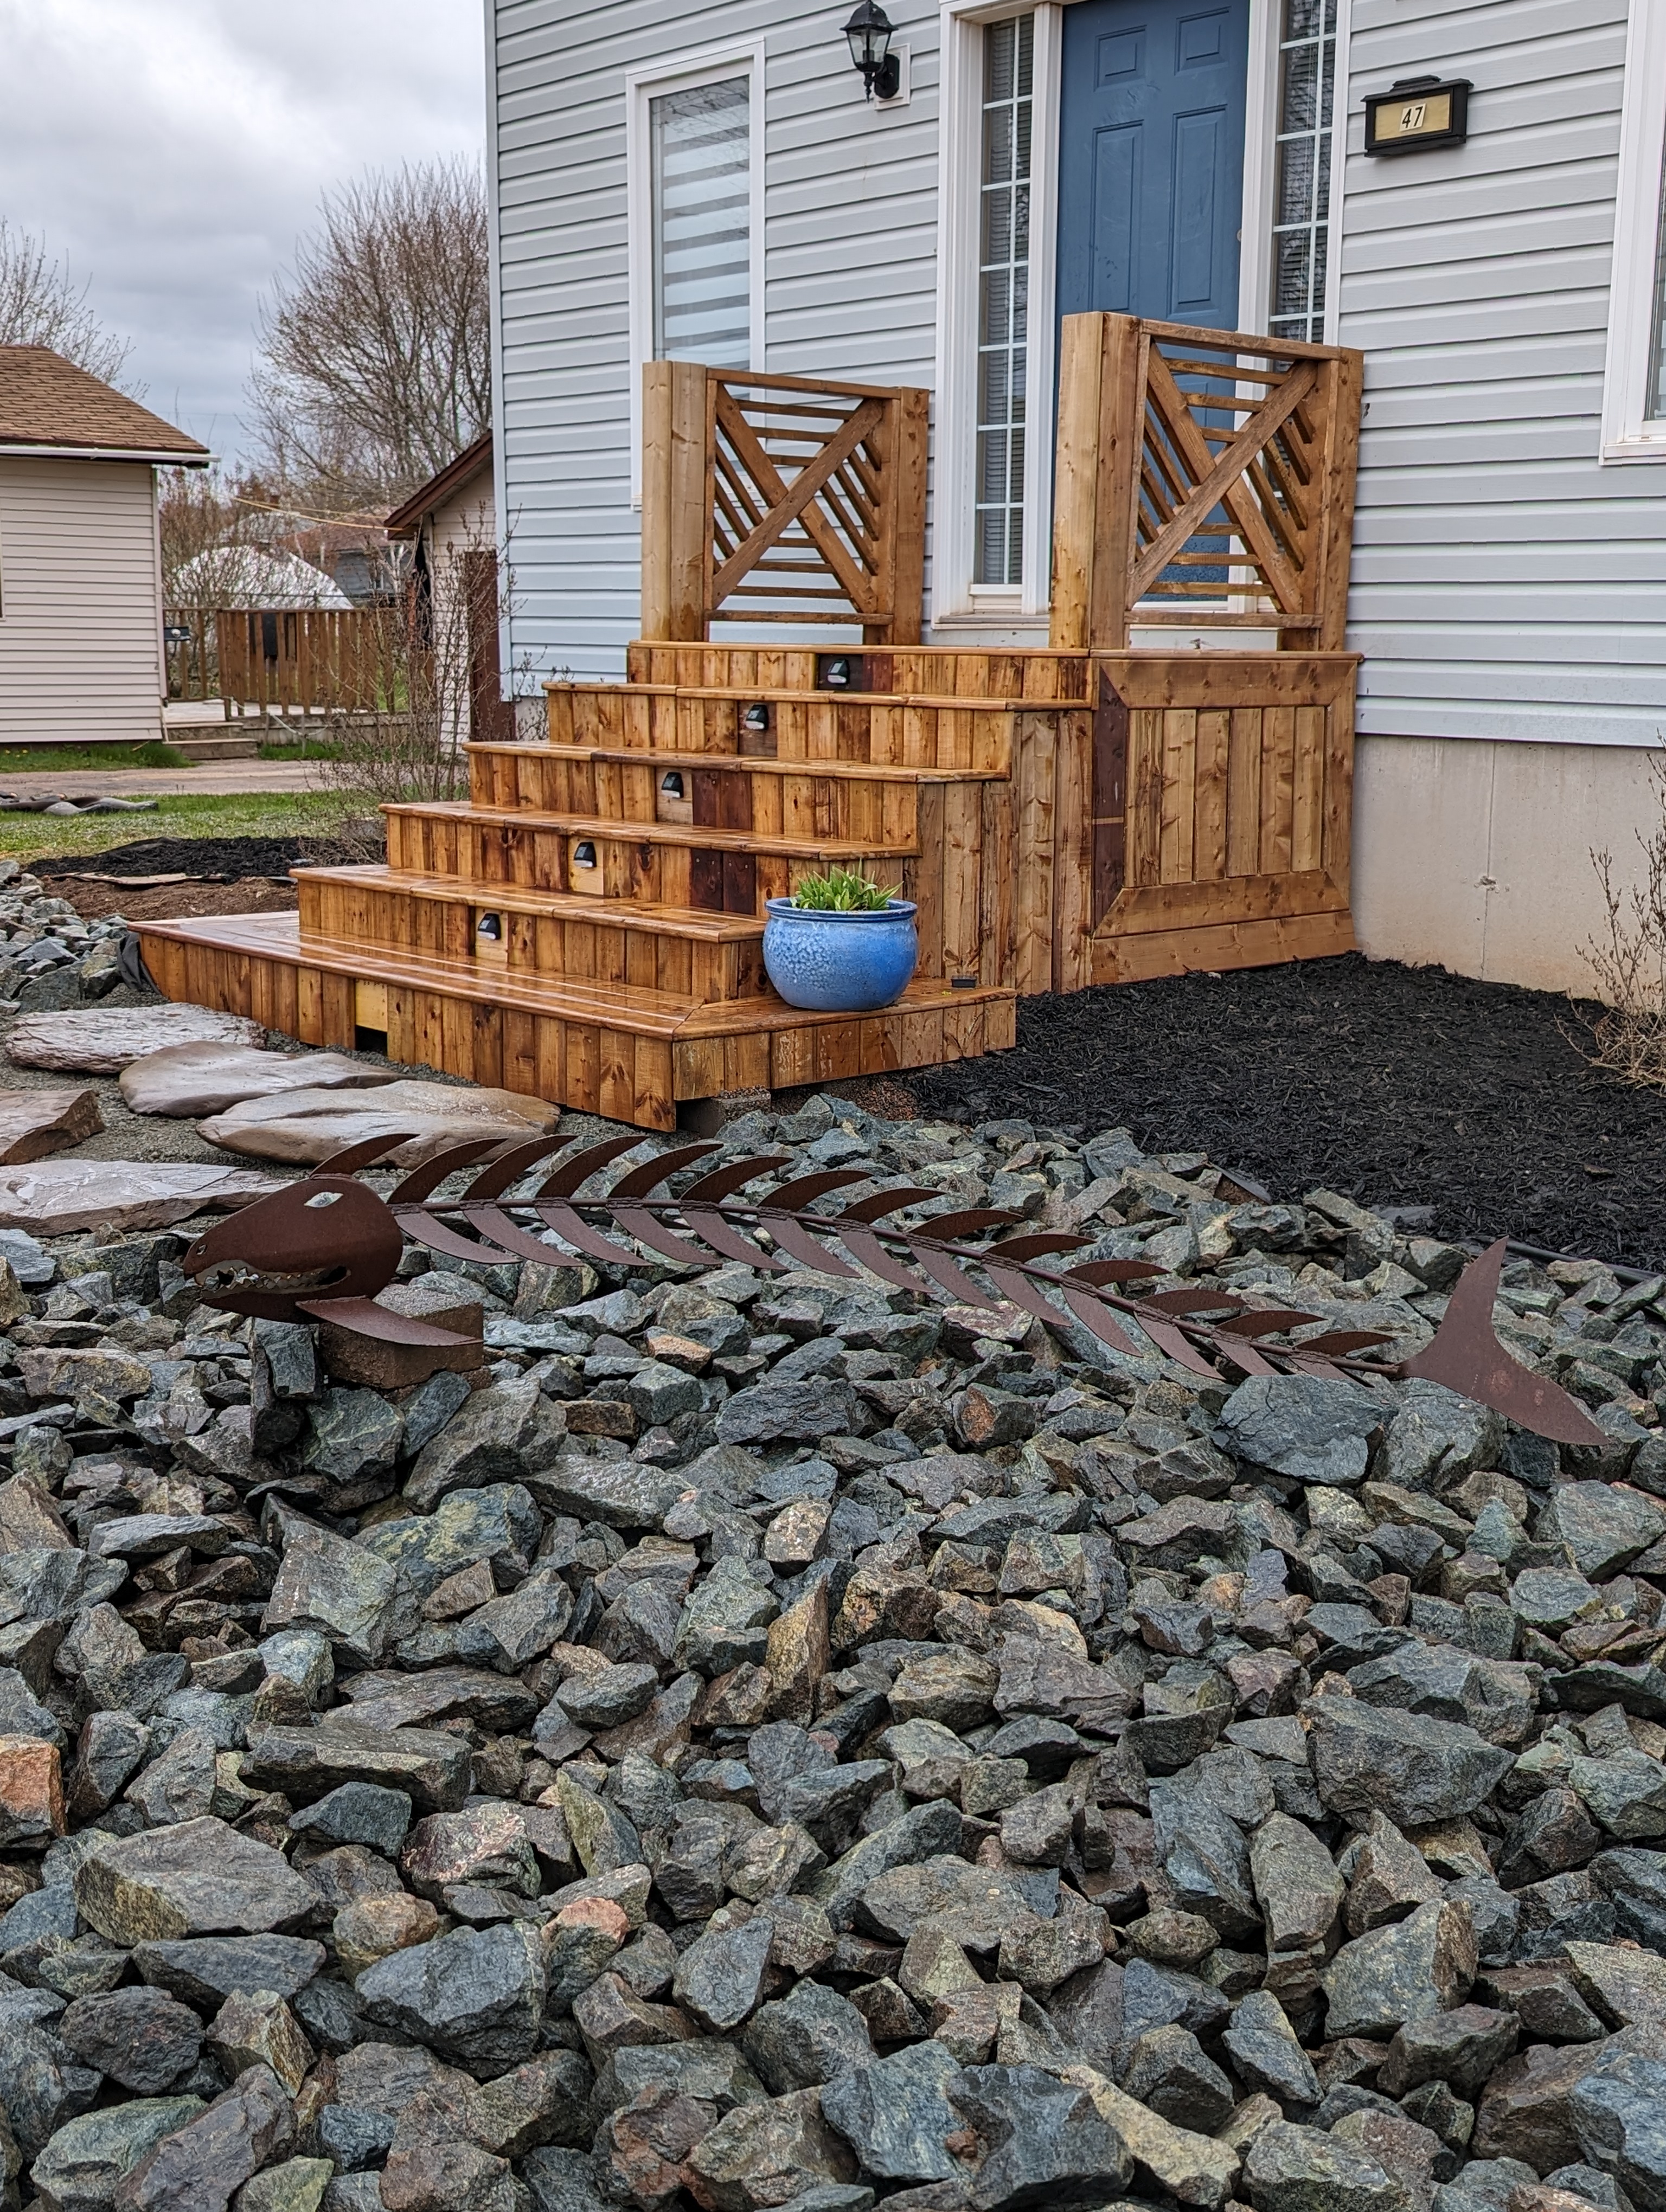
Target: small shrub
[1628, 1031]
[842, 890]
[156, 753]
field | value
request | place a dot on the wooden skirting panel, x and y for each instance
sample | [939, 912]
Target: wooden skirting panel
[1136, 958]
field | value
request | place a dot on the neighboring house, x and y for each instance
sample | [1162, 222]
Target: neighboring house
[711, 185]
[81, 595]
[451, 523]
[240, 576]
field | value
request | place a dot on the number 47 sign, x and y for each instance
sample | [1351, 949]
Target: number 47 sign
[1417, 113]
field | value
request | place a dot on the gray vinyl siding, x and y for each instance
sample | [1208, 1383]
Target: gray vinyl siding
[850, 201]
[1505, 584]
[80, 622]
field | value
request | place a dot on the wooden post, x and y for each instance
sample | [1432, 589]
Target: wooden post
[675, 512]
[1340, 381]
[1100, 401]
[905, 550]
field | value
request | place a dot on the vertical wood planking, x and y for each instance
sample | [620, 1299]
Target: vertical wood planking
[1243, 792]
[1035, 740]
[1209, 840]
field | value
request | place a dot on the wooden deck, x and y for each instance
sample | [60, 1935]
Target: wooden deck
[587, 926]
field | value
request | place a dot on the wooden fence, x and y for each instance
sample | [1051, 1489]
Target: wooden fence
[780, 499]
[309, 659]
[1202, 475]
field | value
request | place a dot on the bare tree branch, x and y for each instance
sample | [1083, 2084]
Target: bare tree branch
[40, 306]
[377, 349]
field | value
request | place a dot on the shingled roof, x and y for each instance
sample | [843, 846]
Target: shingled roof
[48, 401]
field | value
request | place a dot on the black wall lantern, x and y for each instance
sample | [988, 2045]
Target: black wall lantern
[869, 33]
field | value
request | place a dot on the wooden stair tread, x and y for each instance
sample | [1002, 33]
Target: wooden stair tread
[561, 906]
[614, 1005]
[764, 764]
[782, 696]
[653, 833]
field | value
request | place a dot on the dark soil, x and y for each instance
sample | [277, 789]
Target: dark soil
[222, 858]
[1397, 1086]
[173, 901]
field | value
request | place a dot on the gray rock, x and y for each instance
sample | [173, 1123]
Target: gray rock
[977, 1905]
[726, 1620]
[1304, 1425]
[1619, 2111]
[613, 1694]
[1493, 1696]
[790, 1412]
[1605, 1525]
[804, 2039]
[500, 1435]
[343, 1590]
[1043, 2143]
[1419, 1770]
[1296, 1885]
[80, 2165]
[358, 1812]
[198, 1879]
[499, 1523]
[140, 2038]
[351, 1433]
[204, 2162]
[205, 1971]
[895, 2114]
[1262, 2046]
[1405, 1972]
[1166, 2070]
[1300, 2169]
[432, 1767]
[720, 1977]
[1464, 2047]
[477, 1997]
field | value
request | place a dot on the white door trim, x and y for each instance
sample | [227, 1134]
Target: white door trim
[955, 601]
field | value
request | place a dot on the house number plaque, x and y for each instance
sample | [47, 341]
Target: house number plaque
[1417, 112]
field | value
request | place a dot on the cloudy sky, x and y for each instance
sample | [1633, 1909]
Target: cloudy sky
[173, 149]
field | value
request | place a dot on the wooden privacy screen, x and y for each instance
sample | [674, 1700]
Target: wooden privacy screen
[308, 657]
[780, 499]
[1221, 810]
[1203, 476]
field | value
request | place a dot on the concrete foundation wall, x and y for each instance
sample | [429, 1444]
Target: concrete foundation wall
[1476, 855]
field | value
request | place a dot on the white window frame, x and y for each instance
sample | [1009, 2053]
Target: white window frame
[681, 73]
[1627, 433]
[956, 600]
[1260, 163]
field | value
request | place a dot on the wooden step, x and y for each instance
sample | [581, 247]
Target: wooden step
[854, 804]
[1039, 677]
[660, 863]
[973, 737]
[681, 951]
[627, 1053]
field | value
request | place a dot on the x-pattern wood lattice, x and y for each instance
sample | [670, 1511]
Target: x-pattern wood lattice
[1232, 473]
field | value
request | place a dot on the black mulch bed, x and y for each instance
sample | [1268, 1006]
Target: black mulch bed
[206, 858]
[1397, 1086]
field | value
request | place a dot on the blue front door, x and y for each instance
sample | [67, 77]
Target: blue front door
[1151, 158]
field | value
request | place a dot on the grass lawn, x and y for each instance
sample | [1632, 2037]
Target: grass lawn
[37, 760]
[194, 814]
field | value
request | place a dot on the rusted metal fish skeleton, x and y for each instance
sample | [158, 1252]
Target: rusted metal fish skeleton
[320, 1250]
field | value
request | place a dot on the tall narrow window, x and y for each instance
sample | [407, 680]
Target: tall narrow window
[1307, 77]
[702, 165]
[1003, 299]
[1654, 405]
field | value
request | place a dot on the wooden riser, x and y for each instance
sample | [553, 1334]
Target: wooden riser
[899, 732]
[800, 805]
[973, 672]
[630, 1055]
[717, 871]
[695, 955]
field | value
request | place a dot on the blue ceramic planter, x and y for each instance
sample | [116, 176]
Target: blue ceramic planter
[836, 963]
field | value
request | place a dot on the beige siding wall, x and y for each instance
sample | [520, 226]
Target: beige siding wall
[80, 613]
[466, 523]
